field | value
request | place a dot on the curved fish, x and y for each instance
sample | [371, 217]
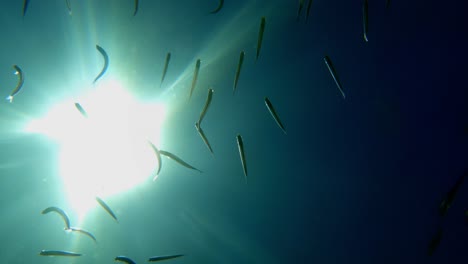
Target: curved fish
[195, 77]
[239, 67]
[166, 65]
[274, 114]
[69, 7]
[309, 5]
[365, 20]
[158, 156]
[301, 5]
[159, 258]
[450, 196]
[178, 160]
[124, 259]
[219, 7]
[136, 8]
[260, 37]
[240, 145]
[333, 73]
[61, 253]
[81, 109]
[18, 72]
[80, 230]
[207, 104]
[106, 62]
[61, 213]
[204, 138]
[107, 208]
[25, 6]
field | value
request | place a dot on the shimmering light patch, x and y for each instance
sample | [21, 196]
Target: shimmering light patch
[106, 153]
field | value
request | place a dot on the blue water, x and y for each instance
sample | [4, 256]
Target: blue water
[355, 180]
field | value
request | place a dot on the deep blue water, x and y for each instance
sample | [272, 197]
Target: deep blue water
[355, 180]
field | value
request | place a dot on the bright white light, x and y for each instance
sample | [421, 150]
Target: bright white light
[106, 153]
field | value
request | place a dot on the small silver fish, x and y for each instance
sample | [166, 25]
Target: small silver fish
[25, 6]
[207, 104]
[178, 160]
[309, 5]
[80, 230]
[61, 253]
[158, 156]
[69, 7]
[195, 77]
[240, 145]
[333, 73]
[273, 113]
[159, 258]
[61, 213]
[81, 109]
[106, 62]
[218, 8]
[365, 19]
[203, 136]
[18, 72]
[124, 259]
[136, 8]
[239, 67]
[107, 208]
[301, 5]
[260, 37]
[166, 65]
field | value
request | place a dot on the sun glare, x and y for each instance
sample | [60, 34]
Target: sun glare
[107, 152]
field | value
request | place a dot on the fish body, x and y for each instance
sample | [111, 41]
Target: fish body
[159, 258]
[136, 8]
[273, 113]
[61, 213]
[107, 208]
[158, 156]
[240, 145]
[178, 160]
[203, 136]
[239, 67]
[434, 243]
[333, 73]
[25, 6]
[82, 231]
[218, 8]
[260, 37]
[299, 10]
[309, 5]
[166, 65]
[387, 4]
[124, 259]
[195, 77]
[106, 62]
[62, 253]
[69, 7]
[19, 85]
[81, 109]
[207, 105]
[365, 19]
[450, 196]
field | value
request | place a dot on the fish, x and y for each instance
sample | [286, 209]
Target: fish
[365, 19]
[240, 145]
[107, 208]
[82, 111]
[274, 114]
[239, 67]
[260, 37]
[158, 156]
[80, 230]
[69, 7]
[450, 196]
[204, 138]
[333, 73]
[219, 7]
[25, 6]
[178, 160]
[309, 5]
[59, 253]
[387, 4]
[301, 5]
[166, 65]
[159, 258]
[124, 259]
[136, 8]
[106, 62]
[207, 104]
[195, 77]
[61, 213]
[434, 243]
[20, 83]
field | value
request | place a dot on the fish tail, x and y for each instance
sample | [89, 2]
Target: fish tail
[9, 98]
